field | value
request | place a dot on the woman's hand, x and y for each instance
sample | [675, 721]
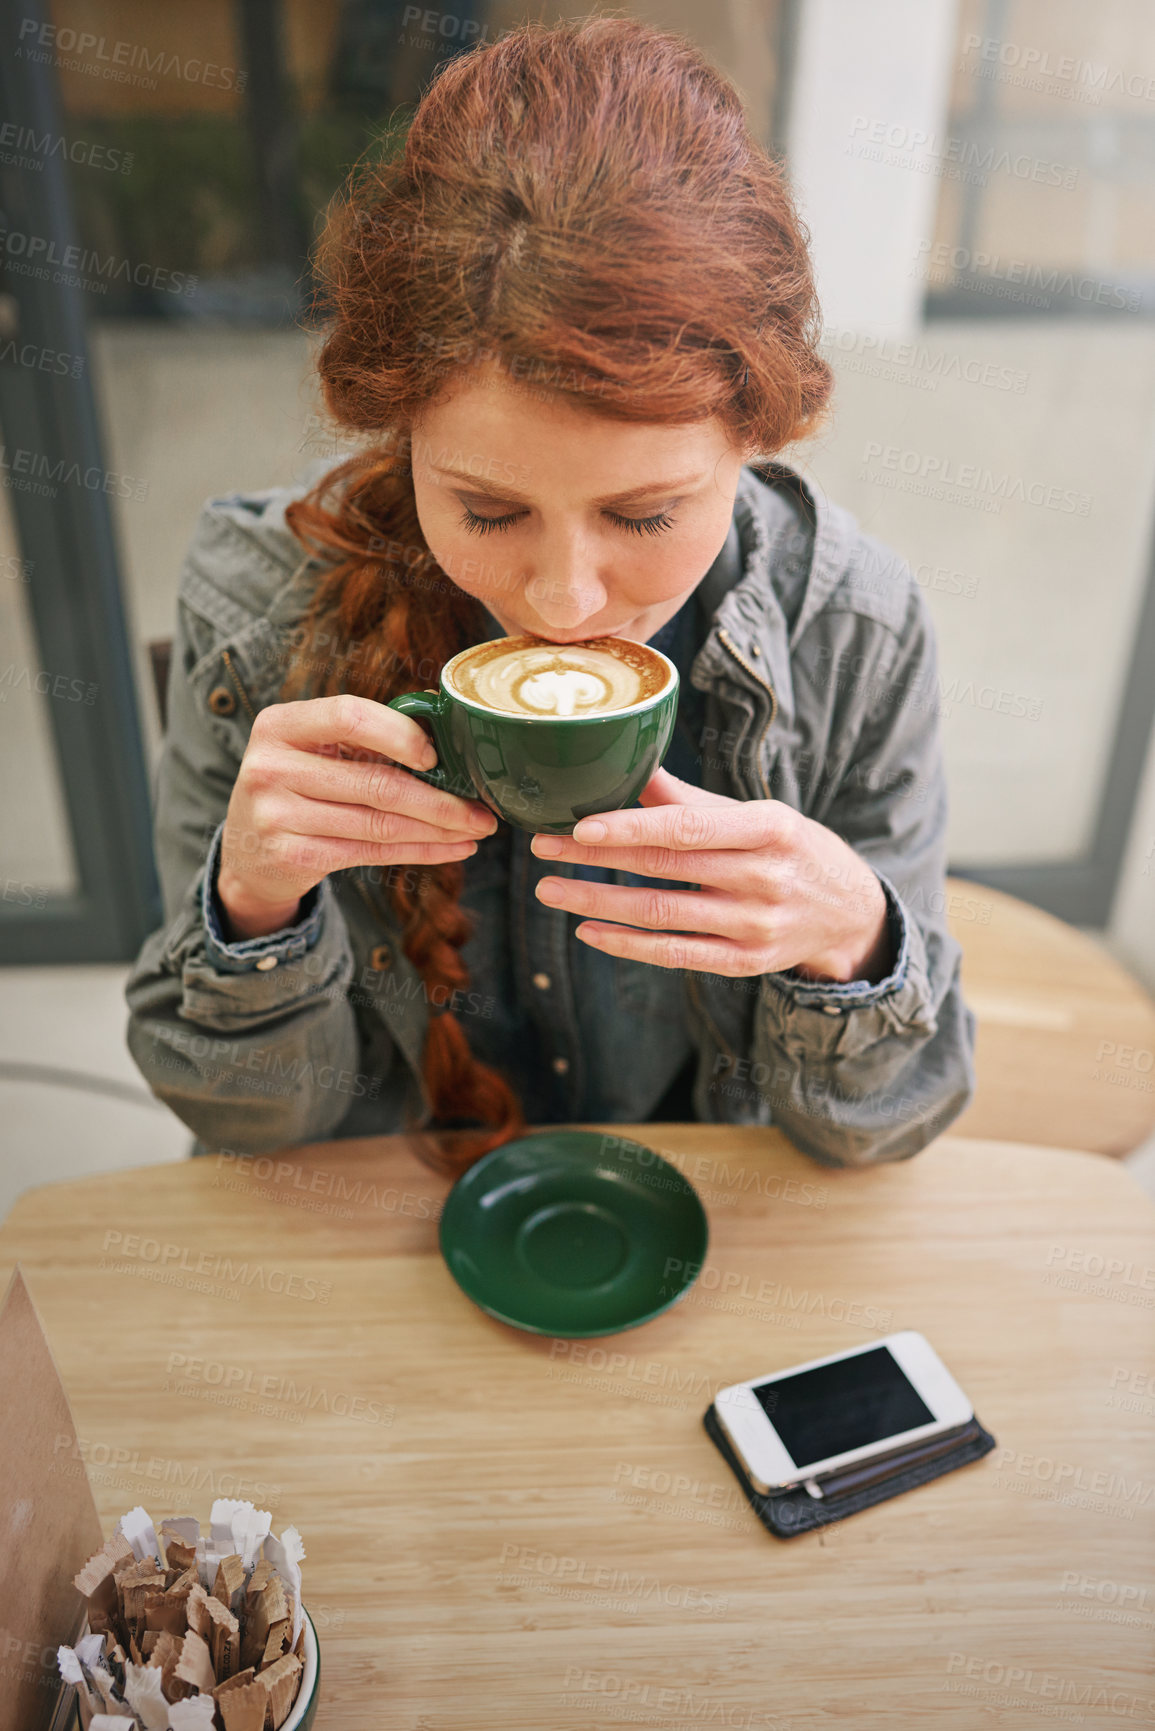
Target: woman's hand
[778, 890]
[319, 789]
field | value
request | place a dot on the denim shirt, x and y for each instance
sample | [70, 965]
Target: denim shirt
[557, 1034]
[808, 674]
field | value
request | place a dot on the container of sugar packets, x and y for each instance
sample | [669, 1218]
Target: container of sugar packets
[191, 1631]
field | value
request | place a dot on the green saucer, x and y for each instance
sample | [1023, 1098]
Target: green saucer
[574, 1233]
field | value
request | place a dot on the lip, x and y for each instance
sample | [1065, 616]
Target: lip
[582, 636]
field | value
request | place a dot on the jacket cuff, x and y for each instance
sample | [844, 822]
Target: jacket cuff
[262, 954]
[835, 996]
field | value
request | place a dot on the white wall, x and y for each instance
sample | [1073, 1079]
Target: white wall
[1034, 603]
[867, 115]
[197, 413]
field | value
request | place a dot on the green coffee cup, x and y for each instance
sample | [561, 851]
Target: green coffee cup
[543, 773]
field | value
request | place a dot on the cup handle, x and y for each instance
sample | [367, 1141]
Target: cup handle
[430, 706]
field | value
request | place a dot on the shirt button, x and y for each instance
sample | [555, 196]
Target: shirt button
[380, 958]
[542, 982]
[267, 962]
[221, 700]
[832, 1009]
[561, 1065]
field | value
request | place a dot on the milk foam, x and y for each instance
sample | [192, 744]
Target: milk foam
[557, 679]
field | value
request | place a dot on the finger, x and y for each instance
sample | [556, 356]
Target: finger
[736, 871]
[361, 754]
[347, 720]
[657, 909]
[325, 854]
[383, 785]
[364, 823]
[753, 823]
[408, 853]
[666, 789]
[675, 950]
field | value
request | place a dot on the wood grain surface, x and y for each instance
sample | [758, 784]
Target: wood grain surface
[1065, 1043]
[508, 1531]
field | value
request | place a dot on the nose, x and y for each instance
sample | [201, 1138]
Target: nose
[564, 599]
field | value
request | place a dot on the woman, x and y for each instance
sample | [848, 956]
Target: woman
[563, 327]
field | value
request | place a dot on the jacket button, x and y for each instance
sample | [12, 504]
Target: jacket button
[832, 1009]
[542, 982]
[221, 700]
[381, 958]
[561, 1065]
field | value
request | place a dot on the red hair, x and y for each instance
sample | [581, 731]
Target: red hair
[582, 205]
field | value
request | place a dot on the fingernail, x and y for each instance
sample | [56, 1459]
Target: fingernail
[589, 829]
[549, 891]
[546, 846]
[429, 758]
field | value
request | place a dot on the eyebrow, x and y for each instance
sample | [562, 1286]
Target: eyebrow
[652, 490]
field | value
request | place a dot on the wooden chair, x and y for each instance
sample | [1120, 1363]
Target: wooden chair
[1065, 1045]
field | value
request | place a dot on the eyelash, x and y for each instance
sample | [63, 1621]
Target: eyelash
[656, 525]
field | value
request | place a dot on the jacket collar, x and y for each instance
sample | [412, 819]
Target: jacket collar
[749, 641]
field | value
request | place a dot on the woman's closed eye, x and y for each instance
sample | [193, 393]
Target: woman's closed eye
[655, 525]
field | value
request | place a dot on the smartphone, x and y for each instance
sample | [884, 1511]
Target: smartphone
[812, 1421]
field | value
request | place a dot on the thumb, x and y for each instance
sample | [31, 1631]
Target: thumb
[666, 789]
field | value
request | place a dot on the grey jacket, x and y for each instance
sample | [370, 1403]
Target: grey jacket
[820, 688]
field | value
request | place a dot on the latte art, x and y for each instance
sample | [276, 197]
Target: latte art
[526, 676]
[561, 691]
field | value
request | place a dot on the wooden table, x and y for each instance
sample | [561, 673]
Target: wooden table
[1065, 1045]
[508, 1531]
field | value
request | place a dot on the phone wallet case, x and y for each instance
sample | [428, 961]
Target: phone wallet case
[786, 1513]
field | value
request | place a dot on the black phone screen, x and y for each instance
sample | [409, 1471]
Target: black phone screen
[838, 1407]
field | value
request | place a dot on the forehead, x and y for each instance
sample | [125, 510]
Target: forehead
[486, 409]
